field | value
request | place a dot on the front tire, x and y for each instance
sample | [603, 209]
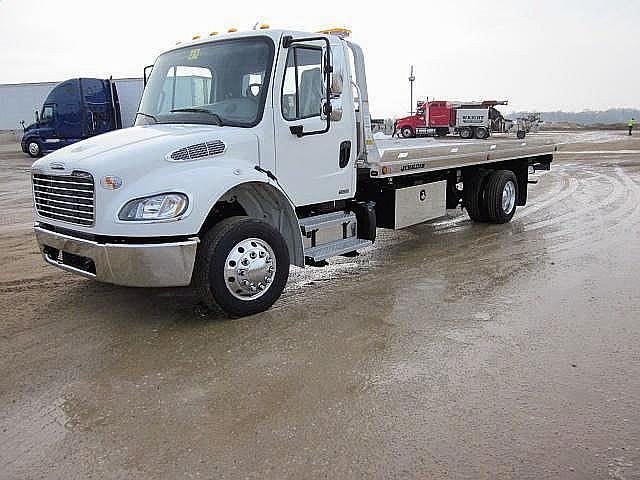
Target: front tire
[407, 132]
[34, 149]
[242, 266]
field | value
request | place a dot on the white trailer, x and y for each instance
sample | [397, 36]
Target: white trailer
[470, 119]
[268, 161]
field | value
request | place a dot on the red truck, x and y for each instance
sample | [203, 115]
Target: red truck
[469, 120]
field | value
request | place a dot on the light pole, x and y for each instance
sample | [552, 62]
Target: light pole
[411, 79]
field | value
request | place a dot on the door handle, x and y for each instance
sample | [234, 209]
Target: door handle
[297, 130]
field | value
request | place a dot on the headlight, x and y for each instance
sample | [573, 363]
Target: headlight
[157, 207]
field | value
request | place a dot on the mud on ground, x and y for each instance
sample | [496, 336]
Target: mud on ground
[451, 350]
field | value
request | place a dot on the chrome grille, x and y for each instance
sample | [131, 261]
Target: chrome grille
[199, 150]
[68, 198]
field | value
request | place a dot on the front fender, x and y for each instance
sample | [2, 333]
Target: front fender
[205, 183]
[267, 201]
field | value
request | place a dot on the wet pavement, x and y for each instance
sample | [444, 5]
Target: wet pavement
[450, 350]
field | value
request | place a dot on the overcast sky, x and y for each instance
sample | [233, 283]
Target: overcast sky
[540, 55]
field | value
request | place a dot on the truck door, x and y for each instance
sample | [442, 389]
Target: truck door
[98, 106]
[315, 167]
[47, 125]
[69, 112]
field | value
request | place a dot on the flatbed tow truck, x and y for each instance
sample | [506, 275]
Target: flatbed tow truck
[253, 151]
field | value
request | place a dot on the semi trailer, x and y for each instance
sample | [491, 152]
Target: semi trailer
[252, 152]
[467, 119]
[80, 108]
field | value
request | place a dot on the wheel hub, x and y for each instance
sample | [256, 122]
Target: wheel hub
[250, 269]
[508, 197]
[33, 148]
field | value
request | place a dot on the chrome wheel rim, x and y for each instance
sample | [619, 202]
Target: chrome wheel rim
[250, 269]
[34, 148]
[508, 197]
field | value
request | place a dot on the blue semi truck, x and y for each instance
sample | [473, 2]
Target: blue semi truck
[75, 109]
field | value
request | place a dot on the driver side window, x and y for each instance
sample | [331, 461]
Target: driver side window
[302, 87]
[47, 112]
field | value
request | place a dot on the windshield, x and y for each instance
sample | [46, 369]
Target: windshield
[218, 83]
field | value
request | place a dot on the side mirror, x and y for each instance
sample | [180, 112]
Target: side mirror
[37, 117]
[336, 83]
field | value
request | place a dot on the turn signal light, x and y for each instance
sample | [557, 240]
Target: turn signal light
[264, 26]
[338, 32]
[211, 34]
[232, 29]
[196, 37]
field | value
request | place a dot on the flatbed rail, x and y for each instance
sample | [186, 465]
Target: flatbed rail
[398, 160]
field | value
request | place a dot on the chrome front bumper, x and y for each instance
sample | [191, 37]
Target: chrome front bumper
[133, 265]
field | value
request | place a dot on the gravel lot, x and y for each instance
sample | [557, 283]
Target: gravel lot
[450, 350]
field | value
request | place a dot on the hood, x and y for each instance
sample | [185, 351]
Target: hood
[156, 135]
[405, 119]
[30, 127]
[147, 146]
[134, 144]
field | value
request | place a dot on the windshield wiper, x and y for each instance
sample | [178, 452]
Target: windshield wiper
[200, 110]
[147, 115]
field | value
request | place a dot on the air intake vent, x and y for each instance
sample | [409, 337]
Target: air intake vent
[199, 150]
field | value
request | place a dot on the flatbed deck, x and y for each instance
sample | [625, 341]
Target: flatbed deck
[409, 156]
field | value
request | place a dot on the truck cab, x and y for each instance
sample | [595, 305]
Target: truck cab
[258, 125]
[74, 110]
[251, 152]
[435, 118]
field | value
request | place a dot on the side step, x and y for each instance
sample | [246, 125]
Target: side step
[319, 222]
[335, 248]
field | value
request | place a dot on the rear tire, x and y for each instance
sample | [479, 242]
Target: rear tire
[238, 250]
[407, 132]
[466, 132]
[481, 133]
[473, 197]
[501, 195]
[521, 134]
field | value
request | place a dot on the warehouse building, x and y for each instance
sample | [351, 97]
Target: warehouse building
[20, 101]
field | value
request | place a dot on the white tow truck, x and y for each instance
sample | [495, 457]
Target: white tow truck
[251, 152]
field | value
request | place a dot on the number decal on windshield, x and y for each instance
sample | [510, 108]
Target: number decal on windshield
[194, 54]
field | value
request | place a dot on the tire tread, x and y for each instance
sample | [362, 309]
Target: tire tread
[493, 195]
[474, 197]
[203, 282]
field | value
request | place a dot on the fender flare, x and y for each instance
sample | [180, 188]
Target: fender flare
[264, 200]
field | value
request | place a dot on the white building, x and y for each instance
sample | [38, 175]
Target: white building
[19, 101]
